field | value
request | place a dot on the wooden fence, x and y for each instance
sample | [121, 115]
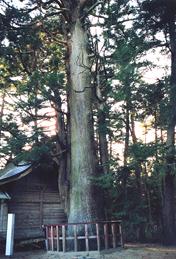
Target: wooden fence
[84, 236]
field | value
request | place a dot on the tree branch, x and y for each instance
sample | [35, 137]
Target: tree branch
[91, 8]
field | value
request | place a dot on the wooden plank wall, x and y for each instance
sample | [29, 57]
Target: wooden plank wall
[3, 218]
[35, 201]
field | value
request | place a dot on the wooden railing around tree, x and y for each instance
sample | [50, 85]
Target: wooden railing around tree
[85, 236]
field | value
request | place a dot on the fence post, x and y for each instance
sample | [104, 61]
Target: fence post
[121, 235]
[75, 238]
[106, 235]
[10, 234]
[52, 238]
[98, 236]
[57, 237]
[46, 238]
[110, 232]
[64, 238]
[86, 237]
[113, 235]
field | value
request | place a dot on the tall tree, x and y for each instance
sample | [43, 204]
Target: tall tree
[160, 16]
[72, 14]
[83, 205]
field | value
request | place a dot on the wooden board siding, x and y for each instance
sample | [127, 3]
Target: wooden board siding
[57, 213]
[3, 218]
[35, 201]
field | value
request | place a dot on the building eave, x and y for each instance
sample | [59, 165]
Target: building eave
[14, 172]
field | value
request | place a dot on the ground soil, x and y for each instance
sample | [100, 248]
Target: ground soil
[131, 251]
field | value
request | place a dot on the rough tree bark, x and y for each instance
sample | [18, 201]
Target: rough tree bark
[83, 205]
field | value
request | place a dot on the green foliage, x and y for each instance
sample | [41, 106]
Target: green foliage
[36, 154]
[33, 75]
[126, 204]
[141, 152]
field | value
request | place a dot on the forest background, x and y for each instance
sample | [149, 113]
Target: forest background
[90, 70]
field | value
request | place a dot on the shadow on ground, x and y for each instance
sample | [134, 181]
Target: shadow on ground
[131, 251]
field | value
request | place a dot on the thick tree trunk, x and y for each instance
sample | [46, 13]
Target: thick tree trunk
[168, 195]
[168, 210]
[82, 195]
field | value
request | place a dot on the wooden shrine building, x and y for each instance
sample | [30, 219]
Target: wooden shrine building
[32, 195]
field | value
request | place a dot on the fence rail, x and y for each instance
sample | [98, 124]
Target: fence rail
[85, 236]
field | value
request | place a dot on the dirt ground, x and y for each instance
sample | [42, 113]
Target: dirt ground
[129, 252]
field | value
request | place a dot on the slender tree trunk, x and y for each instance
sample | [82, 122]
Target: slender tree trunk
[68, 142]
[2, 113]
[127, 136]
[169, 178]
[138, 168]
[1, 123]
[133, 131]
[147, 194]
[61, 147]
[138, 171]
[126, 153]
[36, 115]
[104, 157]
[103, 145]
[155, 126]
[83, 205]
